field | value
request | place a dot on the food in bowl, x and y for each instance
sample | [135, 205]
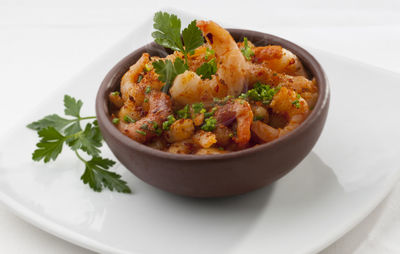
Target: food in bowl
[211, 95]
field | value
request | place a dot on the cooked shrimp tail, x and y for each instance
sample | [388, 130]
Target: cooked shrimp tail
[130, 78]
[232, 66]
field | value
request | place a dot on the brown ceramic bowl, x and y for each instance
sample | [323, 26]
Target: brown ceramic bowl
[215, 175]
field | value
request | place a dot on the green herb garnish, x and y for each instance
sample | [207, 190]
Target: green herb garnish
[207, 69]
[296, 103]
[223, 101]
[129, 119]
[209, 53]
[115, 120]
[166, 124]
[167, 71]
[184, 112]
[246, 50]
[211, 113]
[198, 107]
[256, 118]
[147, 90]
[144, 127]
[116, 93]
[209, 124]
[168, 34]
[141, 132]
[147, 68]
[260, 92]
[55, 131]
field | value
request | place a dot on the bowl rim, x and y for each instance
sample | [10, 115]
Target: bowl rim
[322, 102]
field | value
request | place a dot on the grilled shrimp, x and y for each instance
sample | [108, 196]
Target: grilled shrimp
[285, 102]
[241, 111]
[306, 88]
[160, 107]
[232, 65]
[189, 88]
[130, 77]
[279, 59]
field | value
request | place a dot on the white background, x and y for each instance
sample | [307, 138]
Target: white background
[44, 43]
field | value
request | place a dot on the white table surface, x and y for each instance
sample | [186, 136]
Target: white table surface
[44, 43]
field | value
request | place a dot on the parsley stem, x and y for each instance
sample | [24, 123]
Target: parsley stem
[86, 118]
[80, 157]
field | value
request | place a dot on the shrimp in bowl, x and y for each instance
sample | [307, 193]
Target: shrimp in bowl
[211, 95]
[210, 112]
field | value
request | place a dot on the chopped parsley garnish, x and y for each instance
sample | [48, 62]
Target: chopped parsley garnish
[139, 78]
[209, 53]
[198, 108]
[209, 124]
[167, 71]
[156, 128]
[146, 100]
[168, 33]
[116, 93]
[296, 103]
[223, 101]
[147, 90]
[184, 112]
[207, 69]
[55, 132]
[256, 118]
[211, 113]
[115, 120]
[141, 132]
[246, 50]
[129, 119]
[166, 124]
[144, 127]
[147, 67]
[260, 92]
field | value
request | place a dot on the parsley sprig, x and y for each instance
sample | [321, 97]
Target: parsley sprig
[168, 34]
[207, 69]
[55, 131]
[167, 71]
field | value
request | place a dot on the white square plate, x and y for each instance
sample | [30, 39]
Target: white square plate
[350, 170]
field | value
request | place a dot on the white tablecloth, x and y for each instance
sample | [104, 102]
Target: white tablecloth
[44, 43]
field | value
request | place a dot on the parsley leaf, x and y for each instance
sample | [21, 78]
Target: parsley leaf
[88, 140]
[192, 38]
[167, 71]
[207, 69]
[168, 31]
[50, 145]
[72, 106]
[246, 50]
[98, 177]
[49, 121]
[73, 128]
